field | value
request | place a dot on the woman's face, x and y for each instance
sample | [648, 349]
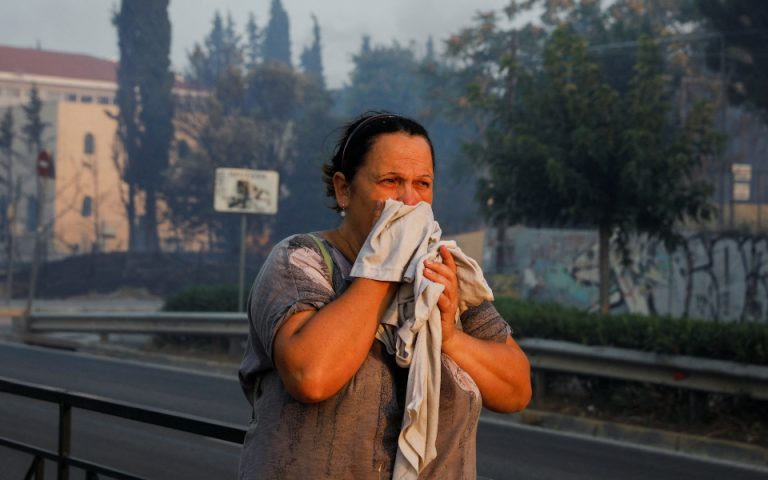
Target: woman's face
[398, 166]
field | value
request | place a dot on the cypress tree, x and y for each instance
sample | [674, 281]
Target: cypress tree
[252, 41]
[145, 104]
[311, 57]
[277, 38]
[221, 50]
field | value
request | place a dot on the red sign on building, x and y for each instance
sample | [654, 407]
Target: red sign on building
[44, 164]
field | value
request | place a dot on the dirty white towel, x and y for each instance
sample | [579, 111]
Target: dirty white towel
[403, 237]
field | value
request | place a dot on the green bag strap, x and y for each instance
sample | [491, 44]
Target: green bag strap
[325, 253]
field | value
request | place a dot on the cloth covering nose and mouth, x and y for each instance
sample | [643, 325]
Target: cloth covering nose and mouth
[404, 237]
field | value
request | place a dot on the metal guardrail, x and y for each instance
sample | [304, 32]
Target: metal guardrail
[189, 323]
[68, 400]
[694, 373]
[716, 376]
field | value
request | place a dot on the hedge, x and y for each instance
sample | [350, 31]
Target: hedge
[203, 298]
[739, 342]
[736, 341]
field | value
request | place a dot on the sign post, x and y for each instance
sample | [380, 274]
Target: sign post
[244, 191]
[44, 167]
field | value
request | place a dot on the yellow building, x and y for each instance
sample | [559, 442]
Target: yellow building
[85, 209]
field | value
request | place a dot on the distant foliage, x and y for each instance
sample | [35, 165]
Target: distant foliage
[203, 298]
[311, 57]
[739, 342]
[219, 52]
[277, 37]
[742, 49]
[572, 140]
[34, 127]
[261, 114]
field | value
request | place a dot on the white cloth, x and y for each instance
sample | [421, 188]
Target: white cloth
[403, 237]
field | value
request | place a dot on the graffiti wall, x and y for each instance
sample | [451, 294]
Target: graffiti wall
[712, 275]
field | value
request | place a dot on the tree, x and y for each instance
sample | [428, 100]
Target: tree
[311, 57]
[10, 198]
[742, 49]
[145, 115]
[220, 51]
[32, 132]
[33, 129]
[252, 42]
[572, 150]
[384, 77]
[277, 37]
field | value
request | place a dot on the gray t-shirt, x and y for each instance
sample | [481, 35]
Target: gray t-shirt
[352, 435]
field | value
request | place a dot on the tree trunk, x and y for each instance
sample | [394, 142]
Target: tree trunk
[152, 242]
[130, 210]
[501, 240]
[604, 265]
[9, 261]
[41, 230]
[10, 245]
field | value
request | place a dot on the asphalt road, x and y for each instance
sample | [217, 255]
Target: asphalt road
[504, 451]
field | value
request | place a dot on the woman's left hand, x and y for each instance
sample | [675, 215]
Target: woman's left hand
[448, 303]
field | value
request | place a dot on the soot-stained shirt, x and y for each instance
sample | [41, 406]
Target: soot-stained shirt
[352, 435]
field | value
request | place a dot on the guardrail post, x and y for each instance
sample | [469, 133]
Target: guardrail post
[21, 323]
[65, 434]
[539, 385]
[36, 469]
[234, 346]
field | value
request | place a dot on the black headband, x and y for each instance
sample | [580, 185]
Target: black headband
[360, 125]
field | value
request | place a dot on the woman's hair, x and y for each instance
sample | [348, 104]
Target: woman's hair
[357, 139]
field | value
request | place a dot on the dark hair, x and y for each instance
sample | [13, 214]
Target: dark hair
[358, 138]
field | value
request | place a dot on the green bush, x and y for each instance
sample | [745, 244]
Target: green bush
[739, 342]
[203, 298]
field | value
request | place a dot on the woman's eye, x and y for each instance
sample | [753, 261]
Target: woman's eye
[389, 181]
[425, 184]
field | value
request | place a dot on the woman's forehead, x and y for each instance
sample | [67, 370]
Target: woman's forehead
[400, 150]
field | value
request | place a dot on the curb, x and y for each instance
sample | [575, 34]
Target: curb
[747, 455]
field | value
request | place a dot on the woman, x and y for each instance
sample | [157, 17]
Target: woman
[327, 397]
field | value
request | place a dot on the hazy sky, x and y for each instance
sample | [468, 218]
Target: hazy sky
[84, 26]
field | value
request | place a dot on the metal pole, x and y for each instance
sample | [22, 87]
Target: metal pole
[241, 289]
[39, 232]
[759, 202]
[65, 431]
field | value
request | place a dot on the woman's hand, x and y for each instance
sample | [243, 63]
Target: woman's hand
[448, 303]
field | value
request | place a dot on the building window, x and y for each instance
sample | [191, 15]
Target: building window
[88, 144]
[86, 99]
[104, 100]
[87, 206]
[71, 97]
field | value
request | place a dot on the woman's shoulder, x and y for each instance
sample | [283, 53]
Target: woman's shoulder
[301, 254]
[304, 243]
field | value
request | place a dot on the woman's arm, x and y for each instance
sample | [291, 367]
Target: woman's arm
[317, 352]
[500, 370]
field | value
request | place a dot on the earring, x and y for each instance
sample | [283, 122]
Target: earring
[343, 213]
